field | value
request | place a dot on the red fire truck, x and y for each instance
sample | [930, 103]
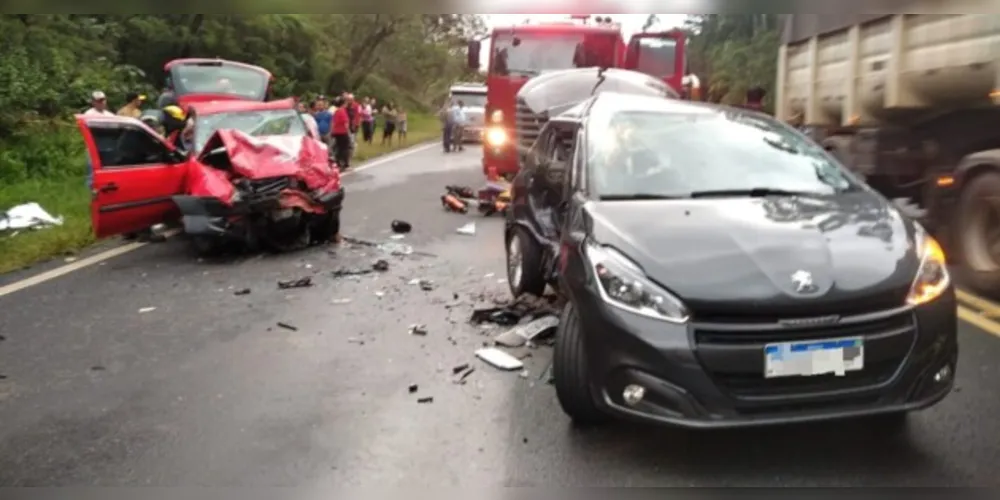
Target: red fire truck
[521, 52]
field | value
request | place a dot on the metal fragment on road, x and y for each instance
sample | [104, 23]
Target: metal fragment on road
[299, 283]
[424, 401]
[413, 388]
[460, 368]
[499, 359]
[468, 229]
[462, 376]
[418, 330]
[524, 334]
[381, 265]
[286, 326]
[341, 301]
[146, 310]
[242, 291]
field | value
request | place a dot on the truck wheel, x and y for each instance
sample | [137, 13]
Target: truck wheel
[569, 368]
[524, 264]
[977, 240]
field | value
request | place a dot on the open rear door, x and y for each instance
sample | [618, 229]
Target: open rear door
[661, 55]
[135, 174]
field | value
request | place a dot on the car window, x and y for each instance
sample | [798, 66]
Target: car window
[678, 153]
[257, 123]
[127, 146]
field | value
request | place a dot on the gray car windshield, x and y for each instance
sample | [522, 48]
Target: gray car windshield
[650, 154]
[471, 100]
[257, 123]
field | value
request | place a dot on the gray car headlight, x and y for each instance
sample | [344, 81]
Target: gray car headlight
[622, 284]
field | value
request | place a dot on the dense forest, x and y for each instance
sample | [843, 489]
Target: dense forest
[732, 52]
[51, 63]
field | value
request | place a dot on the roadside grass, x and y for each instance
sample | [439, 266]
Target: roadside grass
[67, 196]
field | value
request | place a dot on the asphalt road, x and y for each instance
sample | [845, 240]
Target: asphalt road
[207, 389]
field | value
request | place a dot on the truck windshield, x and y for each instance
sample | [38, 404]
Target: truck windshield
[471, 100]
[657, 56]
[529, 54]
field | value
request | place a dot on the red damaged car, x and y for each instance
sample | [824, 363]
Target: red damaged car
[251, 174]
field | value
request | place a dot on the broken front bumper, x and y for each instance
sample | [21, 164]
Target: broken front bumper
[705, 375]
[208, 216]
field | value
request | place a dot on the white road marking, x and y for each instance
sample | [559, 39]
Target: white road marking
[114, 252]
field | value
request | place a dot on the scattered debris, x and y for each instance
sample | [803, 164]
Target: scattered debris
[27, 216]
[2, 338]
[343, 273]
[3, 377]
[413, 388]
[340, 302]
[397, 249]
[468, 229]
[397, 237]
[424, 401]
[354, 340]
[242, 291]
[401, 226]
[381, 265]
[460, 368]
[418, 330]
[380, 294]
[299, 283]
[524, 374]
[460, 379]
[146, 310]
[522, 334]
[97, 368]
[426, 285]
[286, 326]
[525, 306]
[499, 359]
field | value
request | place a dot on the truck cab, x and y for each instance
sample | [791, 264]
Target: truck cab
[522, 52]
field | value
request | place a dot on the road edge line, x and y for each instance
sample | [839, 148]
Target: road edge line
[983, 323]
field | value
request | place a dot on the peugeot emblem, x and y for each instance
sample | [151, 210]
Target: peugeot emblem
[803, 281]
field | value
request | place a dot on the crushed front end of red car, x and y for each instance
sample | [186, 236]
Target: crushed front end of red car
[276, 192]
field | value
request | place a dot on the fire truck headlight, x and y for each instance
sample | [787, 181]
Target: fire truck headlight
[496, 136]
[497, 116]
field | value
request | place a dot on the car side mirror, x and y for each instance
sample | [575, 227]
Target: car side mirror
[472, 57]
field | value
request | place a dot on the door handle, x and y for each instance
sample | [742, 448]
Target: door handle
[107, 188]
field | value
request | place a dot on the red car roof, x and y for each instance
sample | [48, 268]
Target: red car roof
[200, 60]
[232, 106]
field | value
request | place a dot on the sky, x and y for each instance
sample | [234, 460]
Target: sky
[631, 23]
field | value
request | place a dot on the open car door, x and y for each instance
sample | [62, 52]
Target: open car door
[661, 55]
[135, 174]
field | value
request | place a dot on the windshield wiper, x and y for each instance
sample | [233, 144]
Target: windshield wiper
[753, 193]
[639, 196]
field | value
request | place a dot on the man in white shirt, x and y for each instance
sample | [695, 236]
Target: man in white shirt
[458, 127]
[98, 104]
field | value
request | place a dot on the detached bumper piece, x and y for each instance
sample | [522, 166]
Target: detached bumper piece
[710, 374]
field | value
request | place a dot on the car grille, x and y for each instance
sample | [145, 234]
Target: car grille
[733, 354]
[528, 125]
[263, 190]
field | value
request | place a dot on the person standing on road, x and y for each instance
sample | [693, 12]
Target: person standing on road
[458, 126]
[341, 131]
[401, 123]
[354, 118]
[367, 121]
[98, 105]
[389, 112]
[447, 123]
[324, 119]
[133, 105]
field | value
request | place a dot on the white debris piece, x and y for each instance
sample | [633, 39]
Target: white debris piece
[468, 229]
[146, 310]
[499, 359]
[27, 216]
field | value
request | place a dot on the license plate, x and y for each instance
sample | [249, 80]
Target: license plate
[814, 357]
